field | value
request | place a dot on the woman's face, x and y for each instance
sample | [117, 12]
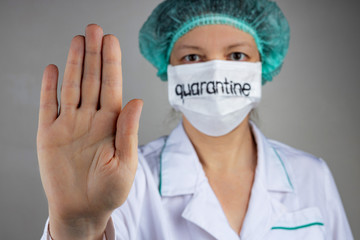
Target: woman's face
[214, 42]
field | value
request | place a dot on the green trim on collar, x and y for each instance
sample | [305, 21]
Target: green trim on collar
[298, 227]
[283, 165]
[160, 172]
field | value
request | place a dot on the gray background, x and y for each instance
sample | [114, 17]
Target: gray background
[312, 105]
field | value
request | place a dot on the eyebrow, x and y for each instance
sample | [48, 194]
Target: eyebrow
[229, 47]
[189, 47]
[239, 45]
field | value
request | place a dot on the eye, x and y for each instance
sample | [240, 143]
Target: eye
[238, 56]
[191, 58]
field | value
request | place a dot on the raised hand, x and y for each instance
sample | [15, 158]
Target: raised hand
[87, 150]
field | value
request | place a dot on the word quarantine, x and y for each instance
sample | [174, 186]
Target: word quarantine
[212, 88]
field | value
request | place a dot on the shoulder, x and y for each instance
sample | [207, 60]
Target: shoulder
[296, 158]
[300, 164]
[308, 173]
[295, 162]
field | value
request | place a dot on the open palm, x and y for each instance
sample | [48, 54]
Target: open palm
[87, 151]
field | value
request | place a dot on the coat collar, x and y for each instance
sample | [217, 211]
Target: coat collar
[180, 168]
[181, 171]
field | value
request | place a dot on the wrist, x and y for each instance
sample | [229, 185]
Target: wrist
[79, 228]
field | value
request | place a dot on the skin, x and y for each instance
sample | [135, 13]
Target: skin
[87, 152]
[229, 161]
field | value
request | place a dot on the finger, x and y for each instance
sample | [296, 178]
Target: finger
[48, 97]
[126, 141]
[92, 66]
[70, 90]
[111, 82]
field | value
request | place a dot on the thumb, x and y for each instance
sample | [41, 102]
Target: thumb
[127, 127]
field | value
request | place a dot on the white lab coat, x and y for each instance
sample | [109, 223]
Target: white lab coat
[293, 197]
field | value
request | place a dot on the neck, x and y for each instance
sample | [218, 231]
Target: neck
[231, 153]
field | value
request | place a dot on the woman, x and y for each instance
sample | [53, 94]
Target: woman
[215, 176]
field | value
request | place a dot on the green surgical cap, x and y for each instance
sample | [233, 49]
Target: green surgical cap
[172, 19]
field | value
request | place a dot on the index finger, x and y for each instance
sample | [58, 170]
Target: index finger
[111, 83]
[48, 98]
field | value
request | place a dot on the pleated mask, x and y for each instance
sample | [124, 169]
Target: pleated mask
[215, 96]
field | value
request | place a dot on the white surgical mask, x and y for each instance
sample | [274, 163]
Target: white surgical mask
[215, 96]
